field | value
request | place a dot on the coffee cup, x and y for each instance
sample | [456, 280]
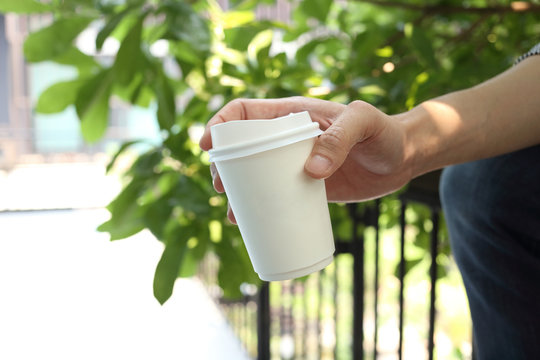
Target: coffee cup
[282, 213]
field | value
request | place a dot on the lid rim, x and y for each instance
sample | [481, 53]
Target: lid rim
[259, 145]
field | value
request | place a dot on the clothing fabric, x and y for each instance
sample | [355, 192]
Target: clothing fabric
[492, 209]
[534, 51]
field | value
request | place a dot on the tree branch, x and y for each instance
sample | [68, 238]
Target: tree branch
[514, 7]
[467, 33]
[399, 34]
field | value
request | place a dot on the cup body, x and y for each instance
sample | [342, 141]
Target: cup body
[282, 213]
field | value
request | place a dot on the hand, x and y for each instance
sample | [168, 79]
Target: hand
[361, 155]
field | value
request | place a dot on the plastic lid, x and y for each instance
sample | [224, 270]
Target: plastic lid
[239, 138]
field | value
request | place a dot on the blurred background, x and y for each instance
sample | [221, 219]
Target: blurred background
[102, 103]
[66, 291]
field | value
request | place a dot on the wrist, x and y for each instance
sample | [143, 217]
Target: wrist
[425, 135]
[413, 153]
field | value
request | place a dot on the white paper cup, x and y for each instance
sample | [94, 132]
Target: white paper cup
[282, 213]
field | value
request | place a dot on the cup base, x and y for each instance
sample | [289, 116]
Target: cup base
[298, 273]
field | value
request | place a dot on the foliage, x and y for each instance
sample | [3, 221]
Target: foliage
[391, 54]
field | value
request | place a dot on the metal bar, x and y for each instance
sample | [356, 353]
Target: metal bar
[433, 278]
[241, 331]
[376, 214]
[473, 351]
[319, 312]
[358, 285]
[247, 314]
[401, 276]
[237, 310]
[245, 322]
[263, 323]
[336, 307]
[253, 331]
[306, 318]
[284, 312]
[300, 319]
[291, 324]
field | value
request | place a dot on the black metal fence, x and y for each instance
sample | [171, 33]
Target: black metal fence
[335, 314]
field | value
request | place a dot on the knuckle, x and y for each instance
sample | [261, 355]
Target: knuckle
[296, 98]
[358, 105]
[239, 106]
[236, 102]
[367, 110]
[334, 139]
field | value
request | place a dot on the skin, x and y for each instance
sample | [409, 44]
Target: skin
[365, 153]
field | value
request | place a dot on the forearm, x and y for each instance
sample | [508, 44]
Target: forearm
[498, 116]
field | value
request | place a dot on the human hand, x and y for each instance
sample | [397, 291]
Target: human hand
[361, 154]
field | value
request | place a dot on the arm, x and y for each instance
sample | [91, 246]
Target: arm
[364, 153]
[498, 116]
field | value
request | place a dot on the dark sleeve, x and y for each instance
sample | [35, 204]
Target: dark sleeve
[534, 51]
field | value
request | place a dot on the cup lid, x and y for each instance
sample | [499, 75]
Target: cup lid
[239, 138]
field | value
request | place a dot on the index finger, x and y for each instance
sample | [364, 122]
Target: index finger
[321, 111]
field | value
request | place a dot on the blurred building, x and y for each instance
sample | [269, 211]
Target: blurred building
[13, 117]
[30, 137]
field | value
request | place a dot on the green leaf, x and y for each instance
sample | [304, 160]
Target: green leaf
[166, 113]
[235, 266]
[409, 264]
[73, 56]
[58, 97]
[238, 38]
[129, 57]
[169, 266]
[54, 40]
[157, 214]
[119, 152]
[191, 195]
[262, 40]
[126, 215]
[189, 266]
[152, 33]
[233, 19]
[123, 229]
[183, 51]
[145, 165]
[124, 27]
[292, 34]
[176, 143]
[92, 105]
[318, 9]
[422, 45]
[23, 6]
[303, 53]
[187, 25]
[364, 44]
[109, 27]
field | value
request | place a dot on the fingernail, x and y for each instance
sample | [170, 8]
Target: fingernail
[318, 164]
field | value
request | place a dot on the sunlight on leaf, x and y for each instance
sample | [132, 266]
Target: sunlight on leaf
[92, 105]
[23, 6]
[55, 39]
[260, 41]
[233, 19]
[58, 97]
[215, 231]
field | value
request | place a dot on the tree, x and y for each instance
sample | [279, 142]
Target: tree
[392, 54]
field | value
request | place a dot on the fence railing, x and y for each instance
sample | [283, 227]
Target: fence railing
[336, 313]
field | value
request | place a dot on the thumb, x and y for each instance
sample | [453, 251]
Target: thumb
[333, 146]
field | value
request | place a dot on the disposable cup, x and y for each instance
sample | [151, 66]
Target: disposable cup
[282, 212]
